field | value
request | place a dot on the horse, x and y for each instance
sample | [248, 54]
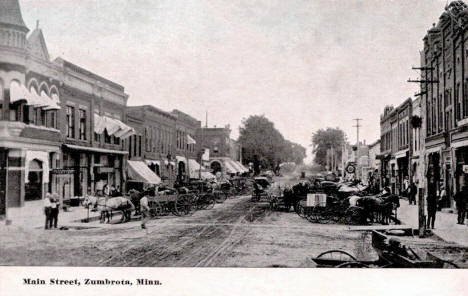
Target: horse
[379, 208]
[106, 205]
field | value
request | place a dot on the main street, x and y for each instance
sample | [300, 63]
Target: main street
[237, 233]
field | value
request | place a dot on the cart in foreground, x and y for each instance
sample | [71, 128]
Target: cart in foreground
[391, 254]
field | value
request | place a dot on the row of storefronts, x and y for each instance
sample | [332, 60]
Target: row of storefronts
[66, 130]
[425, 140]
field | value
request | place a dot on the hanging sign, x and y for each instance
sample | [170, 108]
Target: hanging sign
[465, 169]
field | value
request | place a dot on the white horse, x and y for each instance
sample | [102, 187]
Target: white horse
[106, 205]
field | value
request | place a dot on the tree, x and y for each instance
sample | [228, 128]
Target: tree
[324, 139]
[263, 144]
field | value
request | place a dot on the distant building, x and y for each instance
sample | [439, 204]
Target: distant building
[225, 153]
[396, 145]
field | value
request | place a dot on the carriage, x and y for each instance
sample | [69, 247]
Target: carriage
[260, 192]
[391, 254]
[320, 207]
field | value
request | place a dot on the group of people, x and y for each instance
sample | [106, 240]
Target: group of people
[51, 210]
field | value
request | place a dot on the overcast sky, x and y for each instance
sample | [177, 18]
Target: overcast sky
[305, 64]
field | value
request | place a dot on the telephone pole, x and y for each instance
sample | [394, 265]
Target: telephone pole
[357, 126]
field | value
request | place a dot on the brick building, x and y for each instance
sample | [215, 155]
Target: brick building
[157, 129]
[396, 145]
[225, 153]
[186, 152]
[93, 133]
[29, 101]
[444, 101]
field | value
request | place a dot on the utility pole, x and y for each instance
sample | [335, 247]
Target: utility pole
[357, 126]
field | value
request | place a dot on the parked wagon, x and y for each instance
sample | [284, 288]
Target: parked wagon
[391, 254]
[170, 201]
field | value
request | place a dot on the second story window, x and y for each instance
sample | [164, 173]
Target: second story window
[70, 122]
[82, 124]
[107, 137]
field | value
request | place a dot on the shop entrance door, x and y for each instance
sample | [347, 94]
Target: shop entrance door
[33, 188]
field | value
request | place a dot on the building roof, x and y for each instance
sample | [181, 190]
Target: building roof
[10, 14]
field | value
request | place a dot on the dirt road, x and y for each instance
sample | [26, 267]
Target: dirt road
[237, 233]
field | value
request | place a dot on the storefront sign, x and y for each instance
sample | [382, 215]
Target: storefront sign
[465, 169]
[63, 171]
[104, 170]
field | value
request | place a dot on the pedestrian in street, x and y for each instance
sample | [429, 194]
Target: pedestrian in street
[461, 198]
[412, 192]
[144, 207]
[47, 211]
[431, 203]
[54, 205]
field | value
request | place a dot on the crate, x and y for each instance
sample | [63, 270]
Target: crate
[316, 200]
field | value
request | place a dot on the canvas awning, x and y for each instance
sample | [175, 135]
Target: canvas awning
[152, 162]
[21, 93]
[138, 171]
[194, 168]
[190, 140]
[181, 158]
[230, 168]
[94, 149]
[112, 126]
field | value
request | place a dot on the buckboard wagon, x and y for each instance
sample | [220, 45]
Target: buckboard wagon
[391, 254]
[177, 204]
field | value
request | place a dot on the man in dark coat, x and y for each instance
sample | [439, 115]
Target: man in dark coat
[460, 201]
[412, 191]
[431, 203]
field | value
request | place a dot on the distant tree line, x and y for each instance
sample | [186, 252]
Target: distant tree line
[326, 139]
[263, 145]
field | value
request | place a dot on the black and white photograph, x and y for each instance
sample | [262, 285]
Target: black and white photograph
[271, 134]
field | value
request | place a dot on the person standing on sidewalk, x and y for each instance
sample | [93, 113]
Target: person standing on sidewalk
[412, 192]
[431, 203]
[460, 201]
[54, 212]
[47, 211]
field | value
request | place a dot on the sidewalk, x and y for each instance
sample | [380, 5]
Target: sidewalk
[31, 216]
[446, 226]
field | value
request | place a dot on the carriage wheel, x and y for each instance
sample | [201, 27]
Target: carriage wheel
[353, 215]
[182, 206]
[300, 211]
[210, 201]
[337, 255]
[352, 264]
[156, 209]
[314, 215]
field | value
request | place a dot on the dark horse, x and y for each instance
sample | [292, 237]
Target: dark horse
[379, 209]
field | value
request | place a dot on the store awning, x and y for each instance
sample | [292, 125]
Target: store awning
[190, 140]
[94, 149]
[138, 171]
[240, 167]
[194, 168]
[181, 158]
[152, 162]
[21, 93]
[112, 126]
[230, 168]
